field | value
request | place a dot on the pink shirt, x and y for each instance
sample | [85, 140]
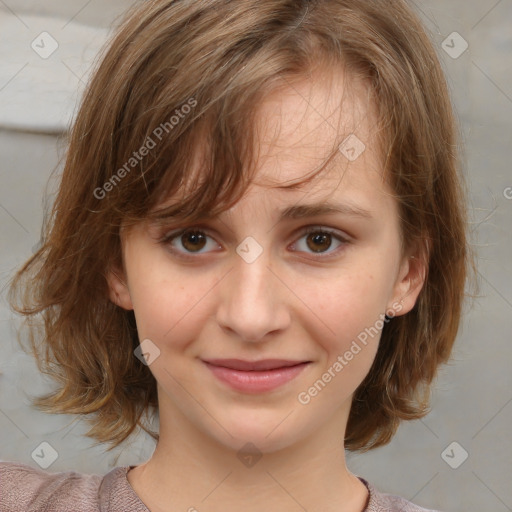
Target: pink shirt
[24, 488]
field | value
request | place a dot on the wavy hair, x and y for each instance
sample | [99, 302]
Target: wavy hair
[177, 73]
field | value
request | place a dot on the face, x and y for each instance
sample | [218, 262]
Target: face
[310, 287]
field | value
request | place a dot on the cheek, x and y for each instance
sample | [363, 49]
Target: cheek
[164, 301]
[351, 310]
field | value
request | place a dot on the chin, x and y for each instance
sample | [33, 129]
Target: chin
[265, 436]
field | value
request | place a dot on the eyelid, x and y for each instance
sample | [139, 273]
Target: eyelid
[171, 235]
[314, 228]
[335, 233]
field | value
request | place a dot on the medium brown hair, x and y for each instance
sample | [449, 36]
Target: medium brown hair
[221, 58]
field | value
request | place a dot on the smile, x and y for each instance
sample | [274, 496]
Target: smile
[257, 376]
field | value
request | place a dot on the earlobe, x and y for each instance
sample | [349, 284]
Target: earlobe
[119, 293]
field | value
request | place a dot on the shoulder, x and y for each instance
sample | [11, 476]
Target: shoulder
[25, 488]
[382, 502]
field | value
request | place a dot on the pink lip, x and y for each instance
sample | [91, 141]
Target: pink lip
[256, 376]
[264, 364]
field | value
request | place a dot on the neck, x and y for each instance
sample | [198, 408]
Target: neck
[196, 472]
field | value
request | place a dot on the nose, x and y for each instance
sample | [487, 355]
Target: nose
[253, 300]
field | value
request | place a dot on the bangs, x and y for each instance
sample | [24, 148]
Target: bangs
[168, 128]
[196, 124]
[201, 166]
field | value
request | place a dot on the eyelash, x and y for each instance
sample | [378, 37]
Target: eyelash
[169, 237]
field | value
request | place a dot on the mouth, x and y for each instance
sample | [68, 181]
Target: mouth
[254, 366]
[255, 377]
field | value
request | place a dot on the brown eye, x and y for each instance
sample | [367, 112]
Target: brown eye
[323, 242]
[193, 240]
[319, 242]
[189, 242]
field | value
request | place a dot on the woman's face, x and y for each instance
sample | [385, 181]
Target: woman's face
[254, 285]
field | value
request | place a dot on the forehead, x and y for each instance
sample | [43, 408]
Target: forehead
[301, 127]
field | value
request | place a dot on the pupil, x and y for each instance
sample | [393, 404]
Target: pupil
[193, 240]
[319, 239]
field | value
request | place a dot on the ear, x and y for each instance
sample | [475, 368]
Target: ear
[410, 280]
[118, 289]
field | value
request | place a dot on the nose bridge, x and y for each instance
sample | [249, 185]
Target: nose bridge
[252, 304]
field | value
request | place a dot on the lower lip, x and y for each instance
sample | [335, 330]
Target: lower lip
[256, 381]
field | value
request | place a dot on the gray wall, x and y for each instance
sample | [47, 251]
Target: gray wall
[472, 398]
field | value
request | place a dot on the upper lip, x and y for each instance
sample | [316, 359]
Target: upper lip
[265, 364]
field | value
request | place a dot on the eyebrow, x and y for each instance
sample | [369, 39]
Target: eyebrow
[311, 210]
[302, 211]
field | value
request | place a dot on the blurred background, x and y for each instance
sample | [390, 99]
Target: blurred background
[459, 457]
